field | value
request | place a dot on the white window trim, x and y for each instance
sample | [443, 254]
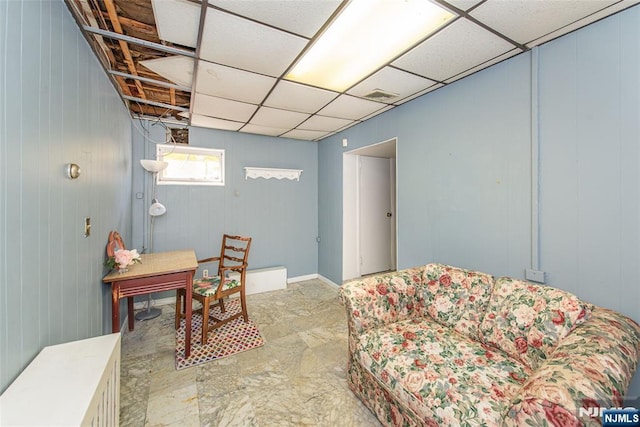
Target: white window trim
[162, 149]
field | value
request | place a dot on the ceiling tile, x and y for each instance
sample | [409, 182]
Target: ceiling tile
[416, 95]
[392, 80]
[213, 123]
[375, 113]
[524, 21]
[240, 43]
[303, 17]
[464, 4]
[263, 130]
[278, 118]
[455, 49]
[212, 106]
[249, 45]
[308, 135]
[322, 123]
[484, 65]
[614, 8]
[178, 69]
[231, 83]
[297, 97]
[177, 21]
[350, 107]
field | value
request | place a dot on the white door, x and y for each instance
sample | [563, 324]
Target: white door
[375, 214]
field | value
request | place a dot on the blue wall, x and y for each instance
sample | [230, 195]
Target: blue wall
[56, 106]
[464, 175]
[559, 126]
[280, 215]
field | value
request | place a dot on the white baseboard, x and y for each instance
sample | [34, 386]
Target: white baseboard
[328, 282]
[258, 281]
[302, 278]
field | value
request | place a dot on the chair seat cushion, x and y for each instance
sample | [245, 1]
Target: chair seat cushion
[208, 286]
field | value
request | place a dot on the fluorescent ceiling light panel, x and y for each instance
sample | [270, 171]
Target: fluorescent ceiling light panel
[364, 37]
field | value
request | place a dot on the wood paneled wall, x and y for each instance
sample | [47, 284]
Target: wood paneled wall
[56, 106]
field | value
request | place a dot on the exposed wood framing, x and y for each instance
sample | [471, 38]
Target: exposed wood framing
[122, 33]
[113, 17]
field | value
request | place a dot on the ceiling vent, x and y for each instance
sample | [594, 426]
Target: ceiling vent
[381, 95]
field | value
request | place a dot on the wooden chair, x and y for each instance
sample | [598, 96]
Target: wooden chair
[114, 243]
[233, 259]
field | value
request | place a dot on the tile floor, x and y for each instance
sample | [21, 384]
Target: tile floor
[296, 379]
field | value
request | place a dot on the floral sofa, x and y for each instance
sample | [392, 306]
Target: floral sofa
[439, 345]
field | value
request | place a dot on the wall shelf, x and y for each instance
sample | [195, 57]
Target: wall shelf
[268, 173]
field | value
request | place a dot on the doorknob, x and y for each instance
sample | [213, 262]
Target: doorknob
[389, 214]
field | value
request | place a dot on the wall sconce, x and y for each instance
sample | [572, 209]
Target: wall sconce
[72, 170]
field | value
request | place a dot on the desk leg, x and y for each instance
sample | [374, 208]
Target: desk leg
[115, 308]
[187, 314]
[130, 312]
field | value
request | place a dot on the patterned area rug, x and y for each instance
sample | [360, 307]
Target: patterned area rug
[232, 338]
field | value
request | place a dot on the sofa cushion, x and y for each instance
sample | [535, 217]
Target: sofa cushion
[441, 375]
[527, 321]
[457, 298]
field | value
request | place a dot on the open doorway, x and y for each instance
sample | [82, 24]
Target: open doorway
[369, 210]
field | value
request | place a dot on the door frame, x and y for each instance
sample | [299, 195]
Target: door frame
[350, 203]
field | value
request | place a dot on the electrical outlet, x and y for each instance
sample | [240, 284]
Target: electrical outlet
[205, 273]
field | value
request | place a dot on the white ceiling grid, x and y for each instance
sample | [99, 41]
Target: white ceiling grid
[247, 46]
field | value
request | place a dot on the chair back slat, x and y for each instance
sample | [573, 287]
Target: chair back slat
[235, 250]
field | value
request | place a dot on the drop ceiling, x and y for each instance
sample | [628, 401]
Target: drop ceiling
[222, 64]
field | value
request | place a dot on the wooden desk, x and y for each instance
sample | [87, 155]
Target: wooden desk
[162, 271]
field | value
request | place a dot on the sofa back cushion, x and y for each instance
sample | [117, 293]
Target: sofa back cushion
[457, 298]
[528, 321]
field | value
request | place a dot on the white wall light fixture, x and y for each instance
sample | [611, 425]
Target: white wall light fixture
[156, 208]
[366, 35]
[72, 170]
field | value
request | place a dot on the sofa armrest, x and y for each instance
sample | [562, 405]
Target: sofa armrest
[382, 299]
[591, 368]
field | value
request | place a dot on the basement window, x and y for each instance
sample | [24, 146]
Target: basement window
[190, 165]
